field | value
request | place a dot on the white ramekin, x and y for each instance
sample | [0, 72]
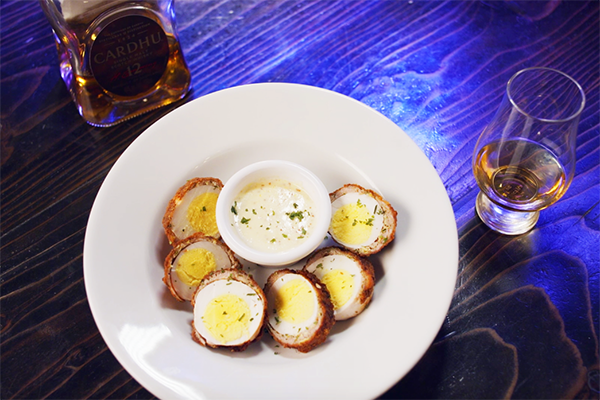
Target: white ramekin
[273, 169]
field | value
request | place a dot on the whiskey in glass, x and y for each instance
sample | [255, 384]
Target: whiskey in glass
[524, 160]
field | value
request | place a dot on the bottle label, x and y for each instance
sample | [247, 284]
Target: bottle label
[129, 55]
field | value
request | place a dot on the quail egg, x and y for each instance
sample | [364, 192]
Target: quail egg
[191, 260]
[361, 220]
[229, 310]
[349, 278]
[300, 311]
[192, 209]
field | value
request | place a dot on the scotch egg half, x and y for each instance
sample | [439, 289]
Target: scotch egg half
[300, 312]
[192, 209]
[229, 310]
[191, 260]
[361, 220]
[349, 278]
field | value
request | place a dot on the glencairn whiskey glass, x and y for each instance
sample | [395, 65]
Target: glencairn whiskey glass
[524, 160]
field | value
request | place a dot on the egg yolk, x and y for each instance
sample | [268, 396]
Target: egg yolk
[227, 318]
[352, 223]
[294, 301]
[194, 264]
[340, 285]
[201, 213]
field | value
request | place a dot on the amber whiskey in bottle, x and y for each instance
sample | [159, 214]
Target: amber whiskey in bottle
[118, 58]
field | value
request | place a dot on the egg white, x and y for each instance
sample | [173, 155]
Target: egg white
[372, 206]
[221, 260]
[279, 324]
[224, 286]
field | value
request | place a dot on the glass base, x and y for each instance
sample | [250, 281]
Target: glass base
[502, 220]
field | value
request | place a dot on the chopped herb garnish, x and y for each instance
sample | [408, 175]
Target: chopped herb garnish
[241, 316]
[273, 240]
[295, 214]
[245, 220]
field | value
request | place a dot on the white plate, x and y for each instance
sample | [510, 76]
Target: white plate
[339, 139]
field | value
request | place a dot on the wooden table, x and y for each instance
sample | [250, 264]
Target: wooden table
[523, 322]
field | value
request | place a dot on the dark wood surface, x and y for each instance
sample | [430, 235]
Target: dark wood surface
[524, 319]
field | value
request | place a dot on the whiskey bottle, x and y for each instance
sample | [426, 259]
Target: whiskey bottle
[118, 58]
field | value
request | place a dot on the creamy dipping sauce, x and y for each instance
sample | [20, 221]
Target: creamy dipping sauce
[273, 215]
